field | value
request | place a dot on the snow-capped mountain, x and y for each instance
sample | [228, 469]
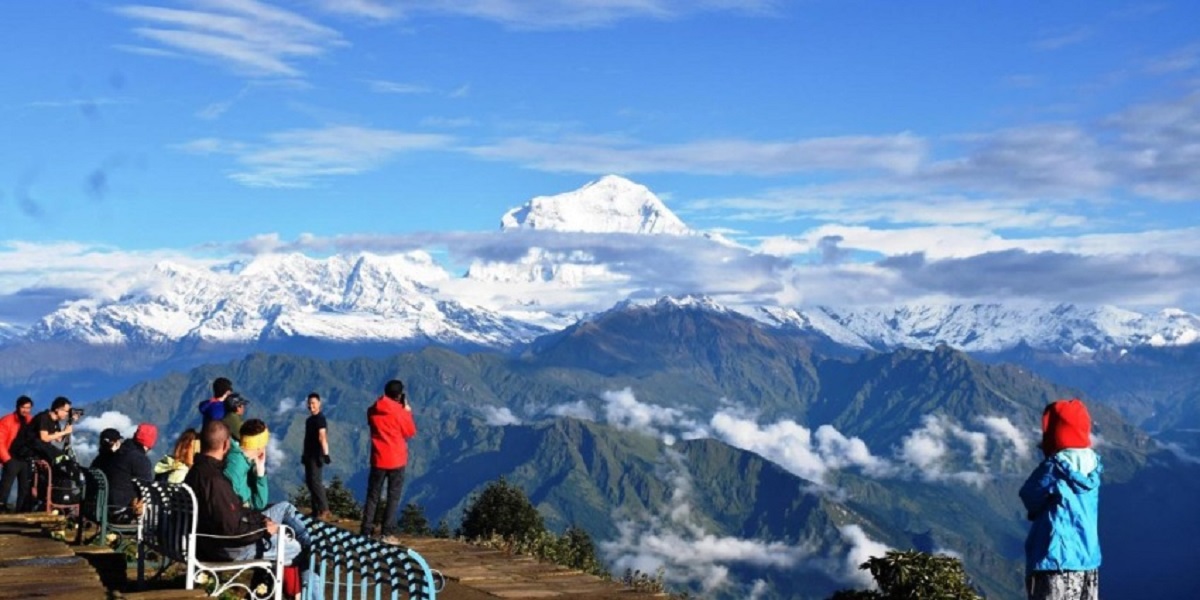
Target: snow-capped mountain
[8, 331]
[409, 298]
[1070, 329]
[611, 204]
[352, 299]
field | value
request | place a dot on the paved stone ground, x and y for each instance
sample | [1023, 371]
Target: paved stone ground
[35, 565]
[498, 575]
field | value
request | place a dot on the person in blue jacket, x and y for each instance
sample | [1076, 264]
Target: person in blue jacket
[1061, 496]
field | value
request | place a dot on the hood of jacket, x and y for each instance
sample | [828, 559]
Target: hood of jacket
[167, 464]
[1082, 467]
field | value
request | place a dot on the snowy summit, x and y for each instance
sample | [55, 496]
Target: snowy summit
[611, 204]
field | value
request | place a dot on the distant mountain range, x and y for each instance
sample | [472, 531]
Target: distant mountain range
[727, 448]
[176, 316]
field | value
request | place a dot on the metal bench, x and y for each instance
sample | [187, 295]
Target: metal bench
[169, 521]
[350, 565]
[96, 509]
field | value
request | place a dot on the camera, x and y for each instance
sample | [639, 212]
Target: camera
[76, 414]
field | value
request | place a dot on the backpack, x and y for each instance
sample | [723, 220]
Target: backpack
[68, 482]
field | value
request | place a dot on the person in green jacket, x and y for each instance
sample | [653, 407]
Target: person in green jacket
[246, 469]
[246, 464]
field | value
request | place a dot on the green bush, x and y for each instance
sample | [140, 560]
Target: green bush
[914, 575]
[503, 510]
[341, 500]
[412, 520]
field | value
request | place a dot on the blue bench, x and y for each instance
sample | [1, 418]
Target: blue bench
[350, 565]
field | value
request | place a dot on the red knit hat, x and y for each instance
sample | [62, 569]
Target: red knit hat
[146, 435]
[1065, 424]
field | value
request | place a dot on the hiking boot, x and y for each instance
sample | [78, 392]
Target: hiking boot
[391, 539]
[326, 516]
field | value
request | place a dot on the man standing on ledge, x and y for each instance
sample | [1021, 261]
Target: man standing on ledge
[315, 457]
[391, 422]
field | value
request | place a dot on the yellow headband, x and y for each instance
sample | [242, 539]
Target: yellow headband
[257, 441]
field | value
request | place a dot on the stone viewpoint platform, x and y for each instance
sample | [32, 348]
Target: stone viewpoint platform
[35, 564]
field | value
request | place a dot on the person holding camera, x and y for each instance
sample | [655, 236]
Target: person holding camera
[392, 425]
[44, 431]
[315, 457]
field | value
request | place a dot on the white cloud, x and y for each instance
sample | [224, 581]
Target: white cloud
[795, 448]
[944, 450]
[276, 456]
[688, 553]
[381, 86]
[862, 548]
[622, 410]
[246, 36]
[577, 410]
[899, 154]
[299, 157]
[285, 405]
[108, 419]
[547, 14]
[500, 417]
[1003, 430]
[86, 446]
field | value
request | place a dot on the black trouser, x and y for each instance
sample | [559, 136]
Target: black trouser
[395, 484]
[17, 470]
[316, 485]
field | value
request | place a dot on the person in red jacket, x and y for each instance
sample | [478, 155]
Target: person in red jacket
[391, 422]
[15, 469]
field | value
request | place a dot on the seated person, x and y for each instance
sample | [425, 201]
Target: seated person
[221, 512]
[246, 469]
[173, 467]
[127, 461]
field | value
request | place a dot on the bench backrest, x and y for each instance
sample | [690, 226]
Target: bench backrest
[168, 518]
[350, 564]
[95, 496]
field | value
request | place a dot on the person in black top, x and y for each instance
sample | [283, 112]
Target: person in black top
[315, 456]
[37, 439]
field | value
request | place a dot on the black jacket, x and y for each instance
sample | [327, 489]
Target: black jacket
[220, 511]
[121, 468]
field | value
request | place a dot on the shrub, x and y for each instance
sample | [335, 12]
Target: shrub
[914, 575]
[412, 520]
[501, 509]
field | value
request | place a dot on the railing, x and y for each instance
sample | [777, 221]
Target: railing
[348, 565]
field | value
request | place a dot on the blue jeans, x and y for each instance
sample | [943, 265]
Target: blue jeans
[281, 513]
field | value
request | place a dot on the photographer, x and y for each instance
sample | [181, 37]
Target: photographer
[38, 438]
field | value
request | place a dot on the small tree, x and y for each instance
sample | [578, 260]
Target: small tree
[914, 575]
[341, 500]
[412, 520]
[576, 549]
[501, 509]
[442, 530]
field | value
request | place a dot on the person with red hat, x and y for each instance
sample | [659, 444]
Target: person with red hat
[1061, 497]
[129, 462]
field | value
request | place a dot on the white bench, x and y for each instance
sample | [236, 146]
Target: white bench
[169, 523]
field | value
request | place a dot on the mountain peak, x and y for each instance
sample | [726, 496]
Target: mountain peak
[611, 204]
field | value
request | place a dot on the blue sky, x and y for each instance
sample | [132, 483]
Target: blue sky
[1017, 140]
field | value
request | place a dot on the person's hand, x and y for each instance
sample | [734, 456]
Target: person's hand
[272, 526]
[260, 464]
[326, 459]
[68, 429]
